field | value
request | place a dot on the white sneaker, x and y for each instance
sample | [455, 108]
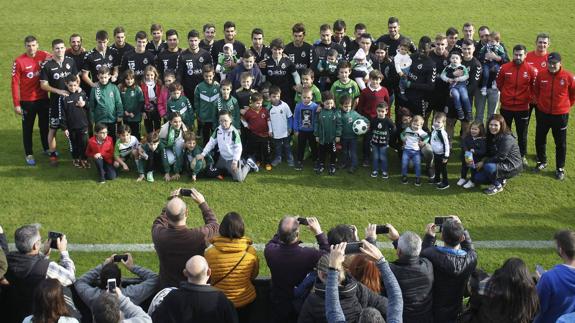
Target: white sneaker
[469, 184]
[484, 91]
[461, 181]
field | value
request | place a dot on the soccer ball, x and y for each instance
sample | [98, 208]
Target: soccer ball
[359, 127]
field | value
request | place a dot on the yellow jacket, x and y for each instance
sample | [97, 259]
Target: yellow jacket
[222, 256]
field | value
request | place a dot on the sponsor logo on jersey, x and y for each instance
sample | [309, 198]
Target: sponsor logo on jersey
[30, 75]
[562, 82]
[303, 54]
[67, 66]
[201, 59]
[543, 64]
[110, 58]
[420, 66]
[283, 65]
[145, 61]
[111, 94]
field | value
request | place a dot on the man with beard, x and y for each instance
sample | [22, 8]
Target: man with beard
[168, 59]
[229, 38]
[190, 64]
[120, 42]
[393, 38]
[298, 51]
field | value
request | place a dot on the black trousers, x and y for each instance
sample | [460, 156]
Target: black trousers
[152, 122]
[135, 129]
[304, 138]
[31, 109]
[327, 150]
[558, 126]
[521, 119]
[440, 169]
[259, 148]
[205, 130]
[78, 142]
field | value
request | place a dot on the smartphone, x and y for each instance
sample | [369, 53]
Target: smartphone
[381, 229]
[53, 236]
[186, 192]
[302, 221]
[112, 285]
[439, 222]
[353, 247]
[118, 258]
[539, 269]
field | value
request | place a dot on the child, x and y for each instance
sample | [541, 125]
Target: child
[328, 70]
[179, 103]
[307, 76]
[172, 144]
[206, 98]
[126, 147]
[169, 78]
[441, 149]
[75, 120]
[327, 132]
[382, 130]
[458, 86]
[344, 85]
[226, 56]
[413, 138]
[149, 156]
[303, 127]
[473, 149]
[369, 100]
[490, 67]
[348, 137]
[152, 88]
[402, 62]
[265, 92]
[361, 68]
[226, 102]
[281, 120]
[101, 149]
[227, 138]
[189, 161]
[133, 102]
[245, 91]
[258, 123]
[105, 103]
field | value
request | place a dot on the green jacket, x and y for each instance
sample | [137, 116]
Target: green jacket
[183, 106]
[133, 102]
[232, 106]
[347, 120]
[184, 161]
[105, 104]
[327, 126]
[206, 102]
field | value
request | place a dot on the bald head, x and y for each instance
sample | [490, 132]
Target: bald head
[288, 230]
[197, 270]
[176, 210]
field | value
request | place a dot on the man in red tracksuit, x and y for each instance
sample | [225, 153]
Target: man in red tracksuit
[515, 83]
[554, 91]
[28, 98]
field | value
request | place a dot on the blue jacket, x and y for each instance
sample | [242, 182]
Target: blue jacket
[304, 117]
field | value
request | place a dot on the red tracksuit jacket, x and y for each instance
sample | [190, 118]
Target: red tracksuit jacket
[515, 82]
[555, 93]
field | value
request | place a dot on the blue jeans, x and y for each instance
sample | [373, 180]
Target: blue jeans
[349, 152]
[403, 80]
[488, 174]
[486, 70]
[410, 154]
[461, 101]
[283, 145]
[379, 158]
[105, 170]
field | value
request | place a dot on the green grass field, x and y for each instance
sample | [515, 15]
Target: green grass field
[66, 199]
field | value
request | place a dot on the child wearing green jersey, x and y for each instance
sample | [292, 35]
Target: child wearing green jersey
[179, 103]
[133, 102]
[229, 103]
[206, 98]
[344, 85]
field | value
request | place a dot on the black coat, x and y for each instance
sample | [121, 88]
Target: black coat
[415, 277]
[451, 271]
[503, 151]
[353, 297]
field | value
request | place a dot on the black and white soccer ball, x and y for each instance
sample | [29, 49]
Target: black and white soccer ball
[359, 127]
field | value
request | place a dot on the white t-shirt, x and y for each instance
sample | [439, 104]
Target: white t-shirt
[279, 116]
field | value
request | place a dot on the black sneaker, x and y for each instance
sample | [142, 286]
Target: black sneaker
[331, 170]
[560, 174]
[319, 169]
[417, 181]
[299, 166]
[539, 167]
[404, 180]
[492, 190]
[442, 186]
[384, 175]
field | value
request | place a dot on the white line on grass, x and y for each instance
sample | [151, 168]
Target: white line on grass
[134, 247]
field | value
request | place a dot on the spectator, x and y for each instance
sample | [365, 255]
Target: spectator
[174, 242]
[3, 261]
[196, 300]
[94, 282]
[234, 264]
[353, 296]
[333, 309]
[116, 308]
[49, 304]
[452, 266]
[415, 276]
[556, 288]
[503, 159]
[507, 296]
[30, 265]
[289, 264]
[365, 271]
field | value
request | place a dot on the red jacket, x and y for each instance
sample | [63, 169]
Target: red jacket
[106, 149]
[515, 82]
[258, 122]
[26, 77]
[369, 99]
[159, 98]
[555, 93]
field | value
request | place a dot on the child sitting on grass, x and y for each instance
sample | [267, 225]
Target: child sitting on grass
[126, 148]
[189, 162]
[101, 150]
[473, 149]
[172, 145]
[149, 156]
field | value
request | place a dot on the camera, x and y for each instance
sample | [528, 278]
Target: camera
[381, 229]
[439, 221]
[186, 192]
[353, 247]
[118, 258]
[302, 221]
[112, 285]
[53, 236]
